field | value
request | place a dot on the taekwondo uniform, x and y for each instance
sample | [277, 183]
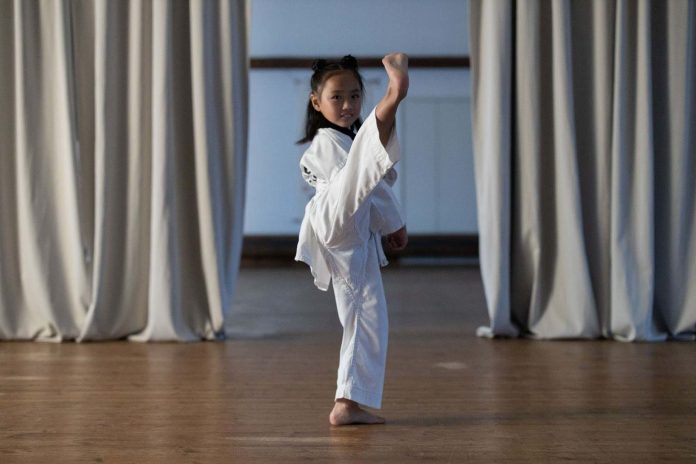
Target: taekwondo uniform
[340, 239]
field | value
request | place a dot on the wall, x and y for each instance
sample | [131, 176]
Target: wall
[362, 27]
[436, 174]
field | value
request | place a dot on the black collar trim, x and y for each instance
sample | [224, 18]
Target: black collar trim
[343, 130]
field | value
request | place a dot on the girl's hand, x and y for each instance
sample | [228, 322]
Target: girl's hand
[397, 241]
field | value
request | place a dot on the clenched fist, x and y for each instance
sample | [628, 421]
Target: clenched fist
[397, 241]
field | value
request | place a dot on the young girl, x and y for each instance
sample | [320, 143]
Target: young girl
[353, 207]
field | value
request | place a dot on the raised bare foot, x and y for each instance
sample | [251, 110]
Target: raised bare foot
[396, 65]
[347, 412]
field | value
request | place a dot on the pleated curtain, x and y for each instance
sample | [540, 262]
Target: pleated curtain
[585, 155]
[123, 136]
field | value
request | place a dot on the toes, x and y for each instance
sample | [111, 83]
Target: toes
[354, 416]
[369, 418]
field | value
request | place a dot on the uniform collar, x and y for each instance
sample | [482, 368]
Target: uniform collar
[344, 130]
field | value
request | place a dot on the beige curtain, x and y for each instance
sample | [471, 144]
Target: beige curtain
[123, 132]
[585, 151]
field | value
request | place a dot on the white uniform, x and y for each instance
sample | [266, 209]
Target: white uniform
[340, 239]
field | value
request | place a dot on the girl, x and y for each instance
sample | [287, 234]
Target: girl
[353, 207]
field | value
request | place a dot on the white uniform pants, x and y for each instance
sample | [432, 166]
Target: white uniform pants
[362, 310]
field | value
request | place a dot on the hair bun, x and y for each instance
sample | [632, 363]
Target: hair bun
[349, 61]
[318, 65]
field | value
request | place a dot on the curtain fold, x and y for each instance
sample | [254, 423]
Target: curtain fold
[123, 162]
[584, 155]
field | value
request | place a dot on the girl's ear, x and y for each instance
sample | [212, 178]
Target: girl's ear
[315, 101]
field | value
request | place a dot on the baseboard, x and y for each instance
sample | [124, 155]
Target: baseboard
[273, 248]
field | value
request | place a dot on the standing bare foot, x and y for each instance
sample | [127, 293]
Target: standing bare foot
[347, 412]
[396, 66]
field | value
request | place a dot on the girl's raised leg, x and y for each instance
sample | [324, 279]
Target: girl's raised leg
[364, 169]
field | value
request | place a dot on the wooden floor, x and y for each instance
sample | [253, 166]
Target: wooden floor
[264, 395]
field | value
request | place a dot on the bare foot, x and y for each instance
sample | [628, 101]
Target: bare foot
[396, 65]
[347, 412]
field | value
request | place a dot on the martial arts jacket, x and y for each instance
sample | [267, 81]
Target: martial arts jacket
[320, 163]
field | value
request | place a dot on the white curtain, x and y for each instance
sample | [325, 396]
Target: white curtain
[585, 155]
[123, 133]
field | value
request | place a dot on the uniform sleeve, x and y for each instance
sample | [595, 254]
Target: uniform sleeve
[322, 160]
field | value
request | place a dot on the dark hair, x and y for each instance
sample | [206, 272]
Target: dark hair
[323, 69]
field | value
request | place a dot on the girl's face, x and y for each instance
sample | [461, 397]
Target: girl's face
[340, 99]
